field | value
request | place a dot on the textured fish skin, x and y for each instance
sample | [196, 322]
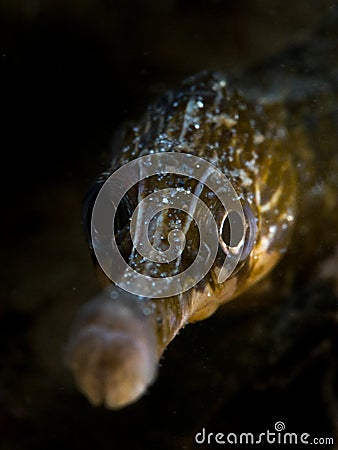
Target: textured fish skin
[266, 132]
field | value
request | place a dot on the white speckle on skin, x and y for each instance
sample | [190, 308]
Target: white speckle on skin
[258, 138]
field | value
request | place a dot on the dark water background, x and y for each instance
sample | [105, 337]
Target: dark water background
[70, 73]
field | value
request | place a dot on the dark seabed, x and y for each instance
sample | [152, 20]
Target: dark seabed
[71, 72]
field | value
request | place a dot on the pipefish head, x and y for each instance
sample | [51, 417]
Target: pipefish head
[248, 145]
[160, 238]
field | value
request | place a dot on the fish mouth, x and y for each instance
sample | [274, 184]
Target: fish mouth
[112, 351]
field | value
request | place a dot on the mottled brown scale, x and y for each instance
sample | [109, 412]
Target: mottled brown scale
[262, 139]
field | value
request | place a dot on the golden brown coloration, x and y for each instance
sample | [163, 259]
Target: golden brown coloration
[250, 145]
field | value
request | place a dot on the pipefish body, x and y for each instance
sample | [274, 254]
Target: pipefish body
[263, 132]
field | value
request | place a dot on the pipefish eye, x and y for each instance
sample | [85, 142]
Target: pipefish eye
[250, 230]
[88, 205]
[235, 234]
[123, 213]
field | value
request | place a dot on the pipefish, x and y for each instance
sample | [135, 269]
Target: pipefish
[264, 132]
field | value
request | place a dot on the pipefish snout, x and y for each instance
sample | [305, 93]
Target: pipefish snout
[112, 351]
[261, 146]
